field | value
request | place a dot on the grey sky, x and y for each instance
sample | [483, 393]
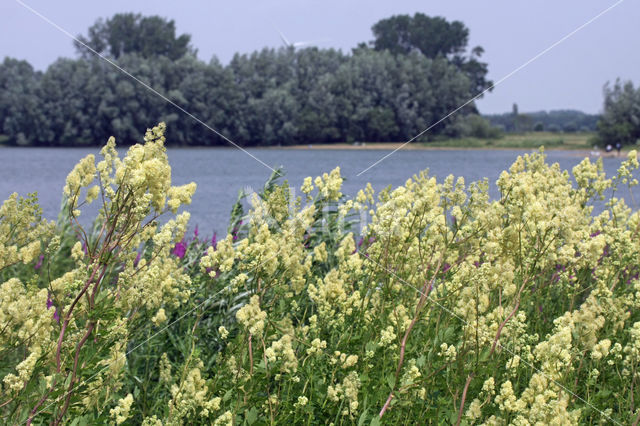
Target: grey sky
[511, 32]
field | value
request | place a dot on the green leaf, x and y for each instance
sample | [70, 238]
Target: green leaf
[251, 416]
[363, 417]
[375, 421]
[391, 380]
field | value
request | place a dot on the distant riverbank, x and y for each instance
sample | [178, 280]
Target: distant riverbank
[532, 140]
[581, 144]
[392, 146]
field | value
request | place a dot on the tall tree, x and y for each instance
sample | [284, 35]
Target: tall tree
[146, 36]
[430, 36]
[620, 120]
[433, 37]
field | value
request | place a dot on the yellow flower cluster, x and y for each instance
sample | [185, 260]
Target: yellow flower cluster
[224, 333]
[165, 368]
[317, 346]
[159, 317]
[328, 185]
[120, 413]
[80, 177]
[191, 396]
[515, 302]
[282, 351]
[106, 291]
[448, 352]
[252, 317]
[347, 391]
[13, 383]
[24, 316]
[21, 230]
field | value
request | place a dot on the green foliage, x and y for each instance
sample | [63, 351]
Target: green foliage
[20, 104]
[268, 97]
[529, 140]
[475, 126]
[433, 37]
[620, 121]
[555, 120]
[125, 33]
[446, 306]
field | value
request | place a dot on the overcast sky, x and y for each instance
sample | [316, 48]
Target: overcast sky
[571, 75]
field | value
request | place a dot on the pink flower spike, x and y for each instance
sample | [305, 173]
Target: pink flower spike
[179, 250]
[39, 264]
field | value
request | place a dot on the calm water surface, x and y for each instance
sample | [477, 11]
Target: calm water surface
[221, 173]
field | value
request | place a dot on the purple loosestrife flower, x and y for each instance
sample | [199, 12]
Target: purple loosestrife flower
[195, 232]
[180, 249]
[39, 264]
[214, 241]
[235, 231]
[51, 305]
[135, 262]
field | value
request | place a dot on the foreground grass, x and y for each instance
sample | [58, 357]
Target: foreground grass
[524, 140]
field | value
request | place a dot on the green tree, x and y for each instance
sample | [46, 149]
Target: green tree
[71, 92]
[620, 120]
[433, 37]
[125, 33]
[312, 65]
[20, 102]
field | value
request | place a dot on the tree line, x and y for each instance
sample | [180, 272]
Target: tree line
[414, 72]
[568, 121]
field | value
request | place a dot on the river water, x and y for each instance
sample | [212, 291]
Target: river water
[221, 172]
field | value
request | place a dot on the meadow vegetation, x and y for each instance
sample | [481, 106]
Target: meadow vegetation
[448, 307]
[525, 140]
